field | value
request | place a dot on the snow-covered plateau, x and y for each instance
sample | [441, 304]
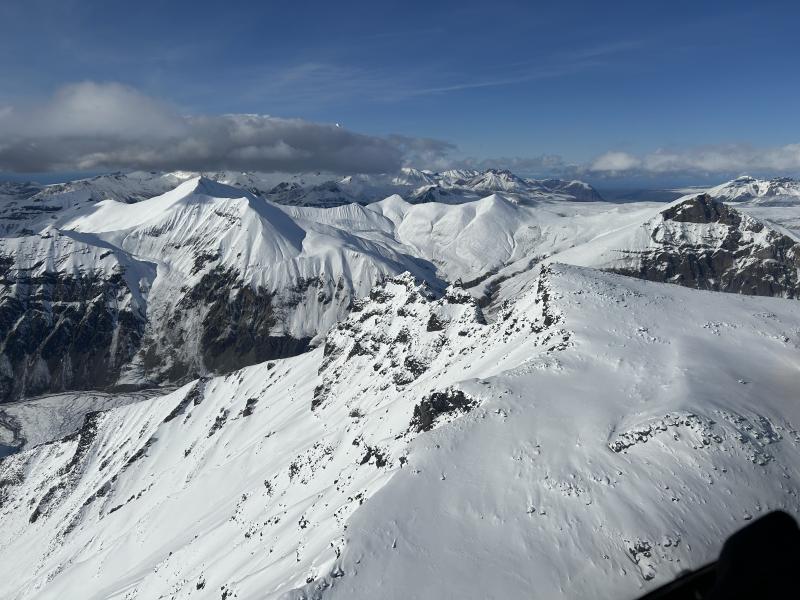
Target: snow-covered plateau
[504, 388]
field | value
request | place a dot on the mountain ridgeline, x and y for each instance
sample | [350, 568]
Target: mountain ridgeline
[132, 281]
[323, 398]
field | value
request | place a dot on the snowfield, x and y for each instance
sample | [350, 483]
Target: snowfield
[586, 434]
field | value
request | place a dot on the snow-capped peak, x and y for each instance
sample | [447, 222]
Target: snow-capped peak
[746, 188]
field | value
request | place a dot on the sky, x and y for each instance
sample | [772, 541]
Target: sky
[653, 91]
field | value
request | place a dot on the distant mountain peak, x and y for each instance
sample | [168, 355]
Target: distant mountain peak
[746, 188]
[205, 186]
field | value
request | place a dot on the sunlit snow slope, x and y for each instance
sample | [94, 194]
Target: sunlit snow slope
[208, 277]
[592, 435]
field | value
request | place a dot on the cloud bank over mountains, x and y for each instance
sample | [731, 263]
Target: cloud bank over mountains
[92, 126]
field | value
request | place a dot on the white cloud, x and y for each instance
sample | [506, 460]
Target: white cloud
[704, 160]
[98, 126]
[615, 162]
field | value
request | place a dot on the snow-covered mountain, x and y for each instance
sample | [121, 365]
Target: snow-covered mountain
[370, 384]
[458, 186]
[701, 243]
[587, 434]
[208, 277]
[204, 278]
[25, 208]
[761, 191]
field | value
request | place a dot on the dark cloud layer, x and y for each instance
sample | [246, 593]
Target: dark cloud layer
[90, 126]
[101, 126]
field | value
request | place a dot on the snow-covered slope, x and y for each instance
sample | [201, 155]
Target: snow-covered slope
[34, 421]
[23, 212]
[238, 278]
[596, 435]
[471, 241]
[205, 278]
[25, 208]
[579, 190]
[776, 201]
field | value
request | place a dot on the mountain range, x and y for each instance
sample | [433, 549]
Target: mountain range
[308, 386]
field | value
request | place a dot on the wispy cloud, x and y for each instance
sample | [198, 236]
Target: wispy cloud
[729, 158]
[319, 83]
[615, 162]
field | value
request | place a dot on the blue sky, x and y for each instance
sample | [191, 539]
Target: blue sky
[496, 79]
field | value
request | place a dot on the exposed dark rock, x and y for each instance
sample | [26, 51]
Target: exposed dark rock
[376, 453]
[250, 407]
[733, 262]
[85, 435]
[193, 396]
[44, 503]
[140, 453]
[61, 332]
[435, 323]
[320, 395]
[440, 403]
[202, 259]
[222, 417]
[415, 365]
[236, 327]
[702, 209]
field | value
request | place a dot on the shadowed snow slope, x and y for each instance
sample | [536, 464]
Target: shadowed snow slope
[599, 436]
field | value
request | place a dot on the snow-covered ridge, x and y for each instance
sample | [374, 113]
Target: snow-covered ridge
[28, 207]
[215, 277]
[751, 189]
[426, 428]
[207, 277]
[345, 445]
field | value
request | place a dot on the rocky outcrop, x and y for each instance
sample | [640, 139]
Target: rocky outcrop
[60, 332]
[702, 243]
[216, 326]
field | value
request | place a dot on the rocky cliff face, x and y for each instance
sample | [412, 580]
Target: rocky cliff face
[215, 326]
[63, 330]
[705, 244]
[204, 280]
